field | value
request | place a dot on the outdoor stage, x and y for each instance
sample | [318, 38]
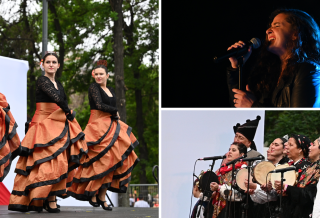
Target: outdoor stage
[67, 212]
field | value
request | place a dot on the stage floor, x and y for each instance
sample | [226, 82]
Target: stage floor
[67, 212]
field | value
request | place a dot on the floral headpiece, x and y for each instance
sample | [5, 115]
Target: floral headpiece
[304, 143]
[100, 62]
[41, 65]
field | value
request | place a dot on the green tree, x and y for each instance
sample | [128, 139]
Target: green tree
[280, 123]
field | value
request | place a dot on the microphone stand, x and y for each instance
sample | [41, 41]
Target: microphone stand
[279, 210]
[246, 205]
[205, 191]
[240, 66]
[228, 203]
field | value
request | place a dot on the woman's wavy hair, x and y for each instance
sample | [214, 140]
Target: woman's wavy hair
[305, 48]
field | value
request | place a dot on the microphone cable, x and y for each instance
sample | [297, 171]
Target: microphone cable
[194, 169]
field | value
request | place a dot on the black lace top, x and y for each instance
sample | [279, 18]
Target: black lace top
[99, 100]
[46, 92]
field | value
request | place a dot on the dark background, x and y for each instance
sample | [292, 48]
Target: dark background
[194, 32]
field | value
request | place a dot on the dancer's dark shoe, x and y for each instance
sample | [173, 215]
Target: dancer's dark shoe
[94, 204]
[49, 209]
[102, 204]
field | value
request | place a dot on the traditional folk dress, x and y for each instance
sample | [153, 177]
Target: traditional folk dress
[111, 143]
[219, 201]
[51, 150]
[9, 139]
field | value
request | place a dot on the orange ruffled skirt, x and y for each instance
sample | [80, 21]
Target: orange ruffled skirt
[51, 151]
[110, 157]
[9, 139]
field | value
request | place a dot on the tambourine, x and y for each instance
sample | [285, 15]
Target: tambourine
[260, 172]
[289, 176]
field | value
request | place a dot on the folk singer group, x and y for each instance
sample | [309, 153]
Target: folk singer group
[299, 191]
[57, 158]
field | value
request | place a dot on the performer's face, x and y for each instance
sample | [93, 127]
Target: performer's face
[294, 152]
[314, 150]
[233, 153]
[51, 64]
[196, 191]
[241, 138]
[275, 149]
[100, 76]
[279, 34]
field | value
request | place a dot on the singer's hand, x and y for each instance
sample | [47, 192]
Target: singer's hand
[267, 188]
[251, 184]
[214, 186]
[277, 185]
[233, 60]
[243, 98]
[251, 191]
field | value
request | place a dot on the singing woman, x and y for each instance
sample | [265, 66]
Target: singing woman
[9, 139]
[298, 200]
[52, 148]
[110, 142]
[287, 71]
[224, 174]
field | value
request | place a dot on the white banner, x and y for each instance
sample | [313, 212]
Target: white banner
[189, 135]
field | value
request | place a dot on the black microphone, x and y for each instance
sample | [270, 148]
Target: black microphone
[260, 157]
[236, 52]
[283, 169]
[213, 158]
[236, 160]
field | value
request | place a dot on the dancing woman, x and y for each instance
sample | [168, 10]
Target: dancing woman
[225, 175]
[287, 70]
[110, 141]
[9, 139]
[52, 148]
[298, 200]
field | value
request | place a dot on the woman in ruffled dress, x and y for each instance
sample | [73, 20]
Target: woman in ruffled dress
[52, 148]
[9, 139]
[110, 142]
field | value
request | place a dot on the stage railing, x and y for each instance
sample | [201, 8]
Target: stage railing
[150, 193]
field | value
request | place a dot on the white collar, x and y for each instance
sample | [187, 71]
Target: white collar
[248, 149]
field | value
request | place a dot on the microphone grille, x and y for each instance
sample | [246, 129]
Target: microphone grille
[256, 43]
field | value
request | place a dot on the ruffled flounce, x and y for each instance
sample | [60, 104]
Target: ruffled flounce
[51, 151]
[110, 158]
[10, 145]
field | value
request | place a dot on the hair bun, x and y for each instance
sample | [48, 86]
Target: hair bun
[102, 62]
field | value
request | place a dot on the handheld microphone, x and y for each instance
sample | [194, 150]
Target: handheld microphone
[213, 158]
[236, 52]
[236, 160]
[260, 157]
[283, 169]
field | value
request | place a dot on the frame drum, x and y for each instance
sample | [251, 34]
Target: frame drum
[260, 171]
[289, 176]
[241, 176]
[205, 180]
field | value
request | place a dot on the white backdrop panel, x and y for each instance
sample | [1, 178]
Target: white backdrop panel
[187, 136]
[13, 84]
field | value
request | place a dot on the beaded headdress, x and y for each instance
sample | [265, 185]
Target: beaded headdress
[99, 63]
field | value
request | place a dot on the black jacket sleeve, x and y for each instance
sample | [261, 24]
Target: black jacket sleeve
[94, 94]
[47, 87]
[305, 87]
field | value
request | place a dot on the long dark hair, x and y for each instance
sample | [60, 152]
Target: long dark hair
[305, 48]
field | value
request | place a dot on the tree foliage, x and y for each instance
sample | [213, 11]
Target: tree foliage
[280, 123]
[81, 32]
